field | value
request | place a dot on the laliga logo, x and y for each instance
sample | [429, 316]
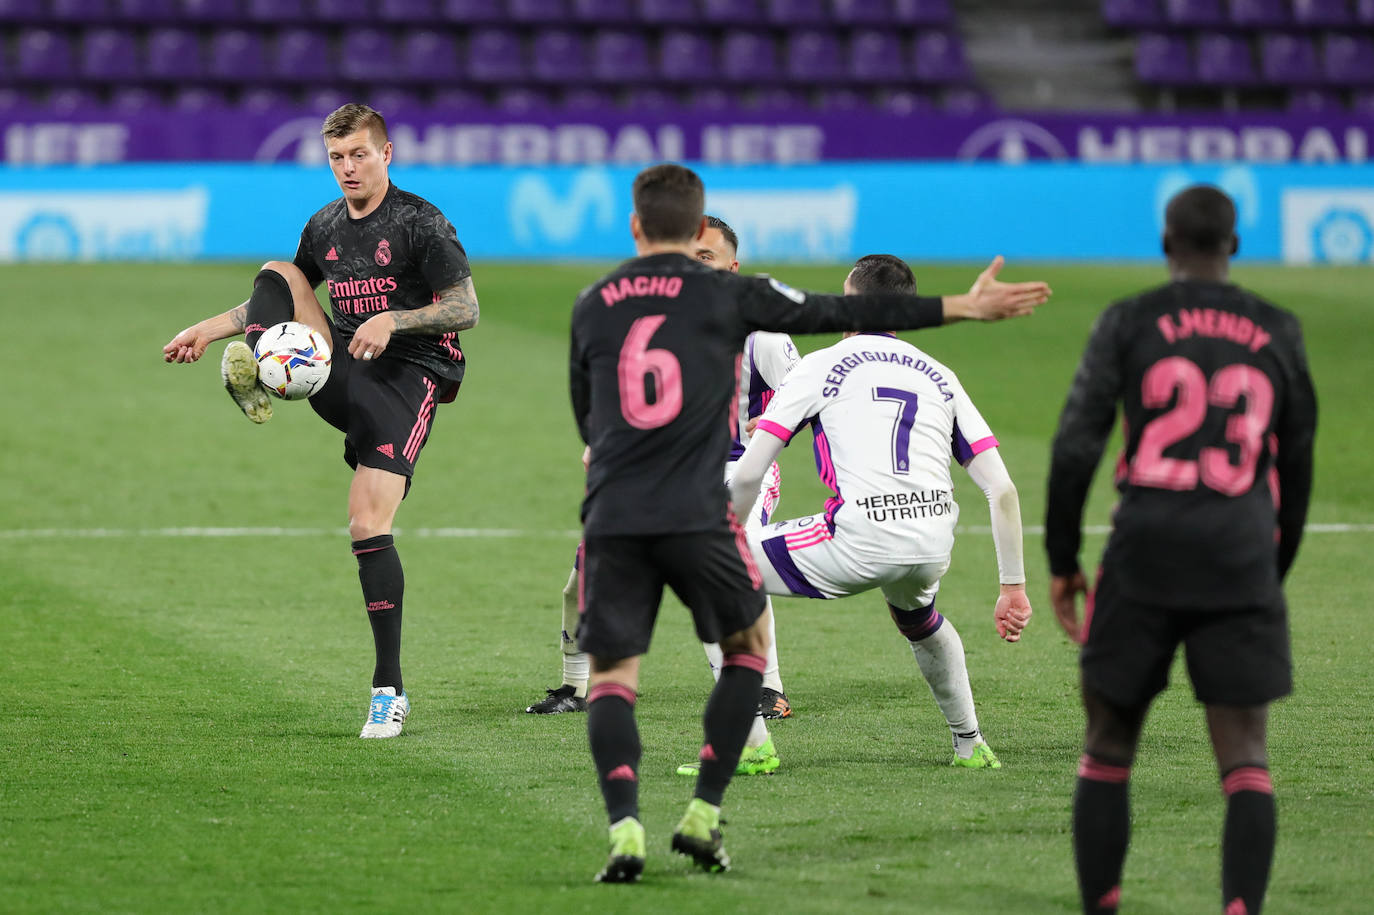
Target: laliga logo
[1011, 142]
[538, 213]
[1342, 236]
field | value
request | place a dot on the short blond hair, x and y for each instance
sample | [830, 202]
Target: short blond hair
[353, 117]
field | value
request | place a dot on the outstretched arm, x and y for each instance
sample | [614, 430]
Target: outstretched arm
[763, 449]
[190, 344]
[454, 310]
[1013, 610]
[990, 299]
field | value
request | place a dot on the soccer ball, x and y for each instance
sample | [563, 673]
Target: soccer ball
[293, 360]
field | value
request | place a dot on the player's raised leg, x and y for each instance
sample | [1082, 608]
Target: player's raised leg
[571, 696]
[372, 502]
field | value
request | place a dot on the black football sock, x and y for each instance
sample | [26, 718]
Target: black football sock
[384, 585]
[1247, 841]
[1101, 831]
[729, 715]
[614, 739]
[269, 304]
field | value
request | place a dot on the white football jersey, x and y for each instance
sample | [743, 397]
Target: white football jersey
[887, 418]
[768, 357]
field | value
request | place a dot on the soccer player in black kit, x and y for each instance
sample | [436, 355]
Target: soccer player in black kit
[400, 291]
[653, 370]
[1219, 417]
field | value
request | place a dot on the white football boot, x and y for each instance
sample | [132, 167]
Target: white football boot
[386, 713]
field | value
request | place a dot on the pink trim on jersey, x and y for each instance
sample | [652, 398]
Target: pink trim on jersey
[742, 544]
[1098, 771]
[771, 493]
[765, 398]
[1247, 778]
[606, 690]
[983, 444]
[421, 427]
[772, 428]
[751, 661]
[446, 341]
[808, 536]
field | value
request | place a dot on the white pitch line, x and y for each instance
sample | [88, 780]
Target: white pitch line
[451, 533]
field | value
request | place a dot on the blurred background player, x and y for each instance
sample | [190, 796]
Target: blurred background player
[1219, 416]
[767, 359]
[400, 290]
[886, 418]
[654, 344]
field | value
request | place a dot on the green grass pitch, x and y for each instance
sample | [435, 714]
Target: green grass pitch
[181, 712]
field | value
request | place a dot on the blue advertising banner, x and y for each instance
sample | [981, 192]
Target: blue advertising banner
[814, 213]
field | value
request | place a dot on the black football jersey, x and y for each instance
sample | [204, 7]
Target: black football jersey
[395, 258]
[1219, 417]
[654, 367]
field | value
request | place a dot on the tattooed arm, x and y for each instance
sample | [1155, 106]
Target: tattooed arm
[455, 310]
[190, 344]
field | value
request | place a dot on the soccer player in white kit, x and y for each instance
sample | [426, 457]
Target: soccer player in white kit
[886, 419]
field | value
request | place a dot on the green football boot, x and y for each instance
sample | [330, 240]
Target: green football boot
[698, 837]
[626, 862]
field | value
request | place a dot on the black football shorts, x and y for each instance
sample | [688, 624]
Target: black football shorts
[385, 408]
[1235, 656]
[623, 579]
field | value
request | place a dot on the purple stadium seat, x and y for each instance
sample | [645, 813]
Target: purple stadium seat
[668, 12]
[587, 98]
[109, 54]
[922, 12]
[813, 56]
[733, 13]
[902, 101]
[1224, 59]
[651, 99]
[264, 99]
[1364, 12]
[389, 101]
[150, 12]
[340, 12]
[473, 11]
[778, 98]
[302, 55]
[44, 54]
[938, 57]
[1322, 13]
[711, 98]
[237, 56]
[603, 12]
[553, 12]
[496, 56]
[324, 99]
[173, 54]
[749, 57]
[1348, 60]
[1316, 101]
[621, 56]
[71, 100]
[276, 12]
[1362, 102]
[559, 56]
[863, 12]
[367, 55]
[876, 57]
[196, 98]
[456, 98]
[427, 56]
[1195, 13]
[965, 100]
[520, 99]
[1132, 14]
[211, 10]
[685, 57]
[841, 100]
[418, 12]
[14, 11]
[1259, 14]
[1289, 60]
[80, 12]
[1163, 59]
[134, 99]
[794, 13]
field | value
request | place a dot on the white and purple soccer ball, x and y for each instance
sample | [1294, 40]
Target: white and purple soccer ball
[293, 360]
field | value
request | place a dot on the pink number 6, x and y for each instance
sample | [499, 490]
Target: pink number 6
[638, 362]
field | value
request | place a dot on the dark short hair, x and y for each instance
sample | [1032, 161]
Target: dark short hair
[882, 273]
[669, 200]
[715, 222]
[353, 117]
[1200, 219]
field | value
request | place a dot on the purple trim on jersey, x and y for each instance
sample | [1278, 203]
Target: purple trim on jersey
[963, 451]
[772, 428]
[775, 548]
[825, 466]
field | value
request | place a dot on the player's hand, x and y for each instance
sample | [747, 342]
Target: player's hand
[586, 458]
[187, 346]
[990, 299]
[370, 340]
[1012, 613]
[1064, 591]
[753, 424]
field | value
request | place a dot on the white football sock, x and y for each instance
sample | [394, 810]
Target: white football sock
[576, 664]
[771, 678]
[758, 734]
[941, 658]
[715, 657]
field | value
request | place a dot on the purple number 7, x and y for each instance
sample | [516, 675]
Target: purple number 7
[901, 428]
